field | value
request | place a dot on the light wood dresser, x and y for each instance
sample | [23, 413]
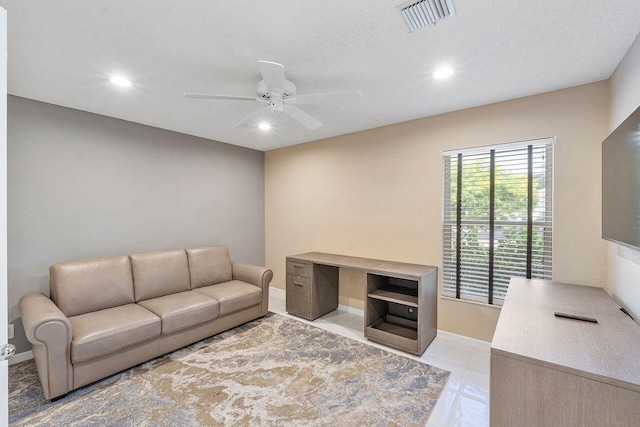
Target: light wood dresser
[553, 371]
[400, 298]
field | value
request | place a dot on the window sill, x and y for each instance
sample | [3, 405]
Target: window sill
[483, 304]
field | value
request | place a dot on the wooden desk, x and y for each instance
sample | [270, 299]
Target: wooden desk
[548, 371]
[400, 298]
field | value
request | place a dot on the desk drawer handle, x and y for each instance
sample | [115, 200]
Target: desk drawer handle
[298, 266]
[297, 284]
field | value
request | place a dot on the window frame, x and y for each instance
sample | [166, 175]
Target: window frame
[486, 291]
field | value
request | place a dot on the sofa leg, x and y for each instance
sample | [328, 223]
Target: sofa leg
[55, 399]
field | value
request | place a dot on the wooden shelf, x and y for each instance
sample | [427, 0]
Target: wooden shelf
[394, 334]
[396, 294]
[397, 329]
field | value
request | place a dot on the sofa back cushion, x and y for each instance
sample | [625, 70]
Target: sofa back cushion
[160, 273]
[79, 287]
[209, 266]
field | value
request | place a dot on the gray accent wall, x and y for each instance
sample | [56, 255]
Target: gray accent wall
[81, 185]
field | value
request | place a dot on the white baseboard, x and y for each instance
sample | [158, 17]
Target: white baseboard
[351, 310]
[276, 291]
[464, 338]
[21, 357]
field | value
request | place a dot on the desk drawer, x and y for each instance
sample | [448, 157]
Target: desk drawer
[297, 268]
[298, 297]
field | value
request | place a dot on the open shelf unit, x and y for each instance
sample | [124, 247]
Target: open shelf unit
[398, 312]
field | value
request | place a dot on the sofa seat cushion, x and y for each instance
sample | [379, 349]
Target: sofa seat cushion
[182, 310]
[234, 295]
[107, 331]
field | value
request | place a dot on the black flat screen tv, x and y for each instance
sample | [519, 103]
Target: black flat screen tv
[621, 183]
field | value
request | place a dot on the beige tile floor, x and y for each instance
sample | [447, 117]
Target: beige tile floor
[465, 400]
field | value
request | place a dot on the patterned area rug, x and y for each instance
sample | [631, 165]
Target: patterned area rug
[274, 371]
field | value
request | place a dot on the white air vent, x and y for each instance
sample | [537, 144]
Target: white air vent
[419, 14]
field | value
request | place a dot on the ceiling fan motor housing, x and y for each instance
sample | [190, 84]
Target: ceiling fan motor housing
[288, 89]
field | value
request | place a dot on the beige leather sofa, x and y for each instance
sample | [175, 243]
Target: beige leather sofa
[109, 314]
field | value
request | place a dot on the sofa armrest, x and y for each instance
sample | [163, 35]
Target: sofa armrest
[255, 275]
[49, 332]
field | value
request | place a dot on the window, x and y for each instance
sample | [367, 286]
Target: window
[497, 218]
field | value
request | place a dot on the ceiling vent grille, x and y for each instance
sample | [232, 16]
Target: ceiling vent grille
[419, 14]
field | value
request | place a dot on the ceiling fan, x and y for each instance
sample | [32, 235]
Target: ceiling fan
[280, 95]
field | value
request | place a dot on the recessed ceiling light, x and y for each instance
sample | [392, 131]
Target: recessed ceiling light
[264, 126]
[120, 81]
[442, 73]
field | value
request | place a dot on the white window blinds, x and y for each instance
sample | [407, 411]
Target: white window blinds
[497, 218]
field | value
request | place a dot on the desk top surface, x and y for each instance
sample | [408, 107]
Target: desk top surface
[398, 269]
[608, 351]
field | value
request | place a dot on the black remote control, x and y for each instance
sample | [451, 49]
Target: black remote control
[575, 317]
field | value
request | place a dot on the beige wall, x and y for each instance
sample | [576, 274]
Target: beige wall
[377, 193]
[624, 269]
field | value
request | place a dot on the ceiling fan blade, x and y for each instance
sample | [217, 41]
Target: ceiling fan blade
[251, 118]
[272, 73]
[305, 119]
[337, 98]
[225, 97]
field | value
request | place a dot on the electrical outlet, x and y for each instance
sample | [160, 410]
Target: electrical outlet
[10, 331]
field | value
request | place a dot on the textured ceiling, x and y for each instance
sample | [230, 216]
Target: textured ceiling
[63, 53]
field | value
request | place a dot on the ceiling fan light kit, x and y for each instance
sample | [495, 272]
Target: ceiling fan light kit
[442, 73]
[120, 81]
[281, 96]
